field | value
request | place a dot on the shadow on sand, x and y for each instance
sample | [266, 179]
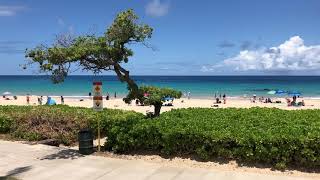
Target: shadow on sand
[10, 175]
[63, 154]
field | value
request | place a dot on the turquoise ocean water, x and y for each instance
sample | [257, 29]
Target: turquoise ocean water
[198, 86]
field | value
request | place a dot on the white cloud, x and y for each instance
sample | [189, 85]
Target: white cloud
[291, 56]
[61, 22]
[157, 9]
[10, 10]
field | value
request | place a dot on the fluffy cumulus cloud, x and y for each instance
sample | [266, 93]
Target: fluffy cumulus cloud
[10, 10]
[156, 8]
[292, 55]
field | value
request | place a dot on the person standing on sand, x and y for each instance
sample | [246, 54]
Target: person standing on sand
[189, 95]
[41, 99]
[115, 95]
[224, 99]
[294, 98]
[62, 99]
[28, 99]
[107, 97]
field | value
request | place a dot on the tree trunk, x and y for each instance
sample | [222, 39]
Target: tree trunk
[123, 75]
[157, 109]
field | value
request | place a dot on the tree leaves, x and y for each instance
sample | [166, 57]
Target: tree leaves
[93, 53]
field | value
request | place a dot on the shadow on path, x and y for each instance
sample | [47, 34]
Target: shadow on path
[14, 172]
[63, 154]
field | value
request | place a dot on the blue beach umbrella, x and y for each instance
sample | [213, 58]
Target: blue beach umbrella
[294, 93]
[51, 102]
[168, 98]
[280, 92]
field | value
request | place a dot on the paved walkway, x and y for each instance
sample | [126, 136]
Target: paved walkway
[45, 162]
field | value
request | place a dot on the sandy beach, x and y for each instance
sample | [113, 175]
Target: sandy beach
[311, 103]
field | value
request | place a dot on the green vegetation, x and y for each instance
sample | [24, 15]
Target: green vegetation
[271, 136]
[256, 135]
[151, 95]
[107, 52]
[56, 122]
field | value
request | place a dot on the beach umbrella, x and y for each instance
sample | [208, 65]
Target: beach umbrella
[271, 92]
[6, 93]
[294, 93]
[168, 99]
[280, 92]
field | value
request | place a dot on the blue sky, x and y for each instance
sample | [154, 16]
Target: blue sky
[202, 37]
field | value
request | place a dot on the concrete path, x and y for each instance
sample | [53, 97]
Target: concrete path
[45, 162]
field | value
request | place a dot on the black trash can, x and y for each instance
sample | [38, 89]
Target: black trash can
[85, 141]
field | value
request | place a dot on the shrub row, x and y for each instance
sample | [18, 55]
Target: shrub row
[264, 135]
[272, 136]
[56, 122]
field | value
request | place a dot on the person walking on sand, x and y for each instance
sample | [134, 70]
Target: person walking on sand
[62, 99]
[28, 99]
[41, 99]
[224, 99]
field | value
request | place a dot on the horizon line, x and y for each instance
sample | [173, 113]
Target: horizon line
[174, 75]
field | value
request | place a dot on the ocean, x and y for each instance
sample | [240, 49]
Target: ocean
[198, 86]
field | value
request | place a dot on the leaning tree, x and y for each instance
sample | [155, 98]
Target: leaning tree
[97, 54]
[94, 53]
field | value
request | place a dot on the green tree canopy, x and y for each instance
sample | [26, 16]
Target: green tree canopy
[94, 53]
[150, 95]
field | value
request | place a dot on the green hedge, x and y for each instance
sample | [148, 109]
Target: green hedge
[274, 136]
[5, 123]
[56, 122]
[266, 135]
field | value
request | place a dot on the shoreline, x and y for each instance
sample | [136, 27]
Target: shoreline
[183, 97]
[118, 103]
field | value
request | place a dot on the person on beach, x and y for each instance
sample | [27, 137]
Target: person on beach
[224, 99]
[41, 99]
[62, 99]
[218, 100]
[107, 97]
[28, 99]
[254, 98]
[294, 98]
[90, 94]
[115, 95]
[189, 94]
